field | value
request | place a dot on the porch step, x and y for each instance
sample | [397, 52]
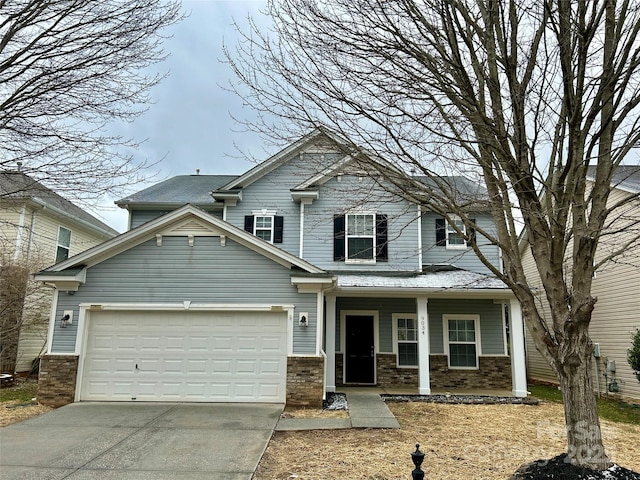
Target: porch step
[366, 410]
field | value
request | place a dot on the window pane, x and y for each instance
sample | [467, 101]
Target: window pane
[62, 253]
[462, 355]
[263, 222]
[64, 237]
[360, 248]
[264, 234]
[360, 225]
[408, 354]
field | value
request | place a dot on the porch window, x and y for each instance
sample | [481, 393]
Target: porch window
[63, 244]
[462, 344]
[406, 330]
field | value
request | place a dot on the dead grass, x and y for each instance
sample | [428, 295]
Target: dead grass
[470, 442]
[16, 411]
[291, 412]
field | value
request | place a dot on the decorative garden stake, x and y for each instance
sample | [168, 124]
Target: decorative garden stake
[417, 457]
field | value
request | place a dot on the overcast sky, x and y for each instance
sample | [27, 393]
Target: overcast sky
[189, 126]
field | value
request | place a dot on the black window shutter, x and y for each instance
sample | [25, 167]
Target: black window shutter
[472, 232]
[278, 229]
[441, 232]
[338, 237]
[382, 238]
[248, 223]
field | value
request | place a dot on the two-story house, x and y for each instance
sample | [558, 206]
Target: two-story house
[37, 228]
[300, 276]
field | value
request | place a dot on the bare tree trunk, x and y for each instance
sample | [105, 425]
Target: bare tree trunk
[584, 439]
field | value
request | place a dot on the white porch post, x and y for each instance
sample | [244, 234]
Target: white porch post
[330, 343]
[518, 365]
[424, 383]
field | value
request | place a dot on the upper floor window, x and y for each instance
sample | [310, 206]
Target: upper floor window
[406, 339]
[360, 238]
[265, 225]
[63, 244]
[453, 235]
[462, 340]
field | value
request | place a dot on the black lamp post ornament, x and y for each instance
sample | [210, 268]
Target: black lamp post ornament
[417, 457]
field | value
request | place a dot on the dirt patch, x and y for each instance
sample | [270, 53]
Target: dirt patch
[14, 412]
[470, 442]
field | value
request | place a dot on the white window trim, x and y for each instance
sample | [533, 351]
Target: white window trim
[394, 322]
[445, 335]
[450, 230]
[264, 213]
[58, 245]
[360, 261]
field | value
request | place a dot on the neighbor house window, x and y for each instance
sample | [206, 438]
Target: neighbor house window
[63, 244]
[265, 225]
[360, 238]
[406, 329]
[462, 340]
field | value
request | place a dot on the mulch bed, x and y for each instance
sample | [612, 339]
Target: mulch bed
[560, 468]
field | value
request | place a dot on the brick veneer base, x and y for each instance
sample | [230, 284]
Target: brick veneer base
[305, 380]
[494, 374]
[57, 380]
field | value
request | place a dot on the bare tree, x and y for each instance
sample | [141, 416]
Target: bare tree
[67, 69]
[526, 96]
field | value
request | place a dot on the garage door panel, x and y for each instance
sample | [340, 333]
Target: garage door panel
[185, 356]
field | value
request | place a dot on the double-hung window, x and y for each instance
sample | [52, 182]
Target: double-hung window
[462, 340]
[63, 244]
[266, 225]
[453, 234]
[406, 333]
[360, 237]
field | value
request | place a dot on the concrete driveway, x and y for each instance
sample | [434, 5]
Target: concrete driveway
[139, 441]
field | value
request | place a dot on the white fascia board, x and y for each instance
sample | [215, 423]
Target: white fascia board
[270, 164]
[64, 282]
[299, 196]
[148, 231]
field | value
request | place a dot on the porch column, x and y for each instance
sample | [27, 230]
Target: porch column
[424, 384]
[518, 365]
[330, 343]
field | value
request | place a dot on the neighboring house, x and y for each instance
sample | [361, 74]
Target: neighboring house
[296, 278]
[37, 228]
[616, 286]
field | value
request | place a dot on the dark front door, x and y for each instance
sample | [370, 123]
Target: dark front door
[359, 349]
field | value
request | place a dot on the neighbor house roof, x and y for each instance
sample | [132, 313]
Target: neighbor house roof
[179, 190]
[626, 177]
[20, 187]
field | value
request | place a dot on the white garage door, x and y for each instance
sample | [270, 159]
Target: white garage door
[185, 356]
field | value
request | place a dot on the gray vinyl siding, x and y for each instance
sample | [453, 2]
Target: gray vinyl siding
[360, 194]
[385, 307]
[273, 192]
[465, 259]
[491, 328]
[139, 217]
[175, 272]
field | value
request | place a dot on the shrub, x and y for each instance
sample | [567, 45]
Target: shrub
[633, 354]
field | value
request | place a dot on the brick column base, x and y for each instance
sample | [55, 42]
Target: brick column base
[57, 380]
[305, 381]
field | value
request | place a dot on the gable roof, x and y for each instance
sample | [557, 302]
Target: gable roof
[20, 187]
[179, 190]
[174, 223]
[276, 160]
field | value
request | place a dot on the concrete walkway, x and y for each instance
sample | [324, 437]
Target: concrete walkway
[366, 410]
